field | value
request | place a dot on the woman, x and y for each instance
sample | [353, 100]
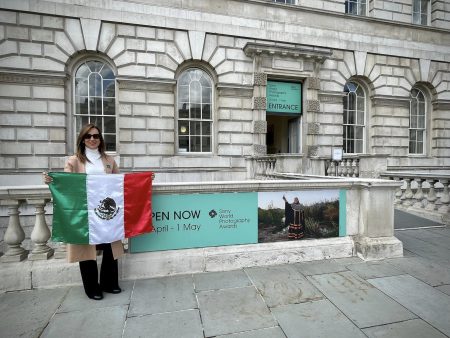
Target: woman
[294, 218]
[91, 158]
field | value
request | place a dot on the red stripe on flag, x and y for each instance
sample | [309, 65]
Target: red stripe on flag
[137, 203]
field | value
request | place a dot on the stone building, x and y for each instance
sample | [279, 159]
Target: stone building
[194, 90]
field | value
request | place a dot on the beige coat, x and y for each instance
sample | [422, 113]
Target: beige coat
[84, 252]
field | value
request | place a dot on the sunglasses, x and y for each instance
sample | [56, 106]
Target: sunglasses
[95, 136]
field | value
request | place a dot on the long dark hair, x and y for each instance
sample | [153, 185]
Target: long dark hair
[81, 147]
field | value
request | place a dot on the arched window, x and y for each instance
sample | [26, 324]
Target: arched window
[354, 118]
[417, 122]
[95, 99]
[195, 111]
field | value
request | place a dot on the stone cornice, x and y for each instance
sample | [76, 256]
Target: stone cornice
[441, 104]
[318, 54]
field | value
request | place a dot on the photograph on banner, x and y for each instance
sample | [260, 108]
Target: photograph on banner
[296, 215]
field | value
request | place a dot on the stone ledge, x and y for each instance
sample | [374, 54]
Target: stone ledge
[378, 248]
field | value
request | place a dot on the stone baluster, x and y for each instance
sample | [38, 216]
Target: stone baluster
[41, 233]
[407, 201]
[419, 195]
[431, 196]
[398, 192]
[340, 168]
[330, 168]
[344, 168]
[60, 251]
[355, 165]
[14, 234]
[445, 198]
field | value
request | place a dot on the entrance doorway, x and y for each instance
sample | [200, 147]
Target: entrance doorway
[283, 134]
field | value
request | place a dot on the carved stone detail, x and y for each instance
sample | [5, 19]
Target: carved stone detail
[313, 128]
[313, 105]
[259, 103]
[260, 127]
[314, 83]
[259, 149]
[32, 79]
[313, 151]
[260, 79]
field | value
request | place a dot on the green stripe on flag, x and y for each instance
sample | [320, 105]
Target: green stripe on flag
[70, 214]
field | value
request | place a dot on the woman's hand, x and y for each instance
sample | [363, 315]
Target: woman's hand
[47, 179]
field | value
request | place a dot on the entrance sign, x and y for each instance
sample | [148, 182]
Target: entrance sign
[200, 220]
[284, 98]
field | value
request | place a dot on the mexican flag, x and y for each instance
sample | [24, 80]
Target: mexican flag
[95, 209]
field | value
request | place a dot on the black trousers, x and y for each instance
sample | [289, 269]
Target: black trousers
[109, 272]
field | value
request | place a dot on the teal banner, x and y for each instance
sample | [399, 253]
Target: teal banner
[284, 97]
[200, 220]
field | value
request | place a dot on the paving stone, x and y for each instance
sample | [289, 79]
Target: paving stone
[77, 300]
[415, 328]
[360, 301]
[181, 324]
[418, 297]
[163, 294]
[233, 310]
[444, 288]
[423, 269]
[221, 280]
[369, 270]
[104, 322]
[315, 319]
[282, 284]
[320, 267]
[271, 332]
[26, 313]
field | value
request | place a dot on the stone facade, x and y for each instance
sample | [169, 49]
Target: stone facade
[240, 44]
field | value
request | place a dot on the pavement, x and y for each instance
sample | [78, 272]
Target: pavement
[402, 297]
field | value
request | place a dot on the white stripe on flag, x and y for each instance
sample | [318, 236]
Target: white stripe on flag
[106, 224]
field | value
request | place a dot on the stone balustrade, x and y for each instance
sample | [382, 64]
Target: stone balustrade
[424, 194]
[263, 167]
[347, 167]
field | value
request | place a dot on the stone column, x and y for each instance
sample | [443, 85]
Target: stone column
[14, 234]
[41, 233]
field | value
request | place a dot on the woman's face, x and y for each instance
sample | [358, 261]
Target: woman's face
[92, 139]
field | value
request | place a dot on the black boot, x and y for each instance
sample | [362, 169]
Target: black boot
[89, 275]
[109, 273]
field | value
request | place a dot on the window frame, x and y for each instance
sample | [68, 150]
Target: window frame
[101, 116]
[358, 4]
[425, 122]
[420, 13]
[355, 125]
[211, 120]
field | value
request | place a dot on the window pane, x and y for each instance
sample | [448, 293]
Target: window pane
[81, 105]
[359, 133]
[95, 85]
[107, 72]
[183, 128]
[419, 149]
[205, 82]
[414, 107]
[183, 143]
[109, 107]
[206, 128]
[109, 125]
[421, 122]
[206, 144]
[81, 87]
[360, 117]
[110, 142]
[109, 88]
[94, 66]
[424, 6]
[206, 111]
[195, 111]
[412, 135]
[416, 18]
[413, 121]
[184, 79]
[361, 103]
[95, 106]
[351, 117]
[183, 112]
[195, 92]
[362, 9]
[195, 128]
[423, 19]
[183, 93]
[80, 121]
[358, 146]
[195, 144]
[206, 95]
[83, 71]
[351, 101]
